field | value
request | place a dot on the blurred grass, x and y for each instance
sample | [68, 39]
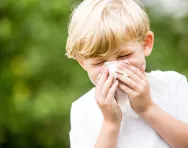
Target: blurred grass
[37, 81]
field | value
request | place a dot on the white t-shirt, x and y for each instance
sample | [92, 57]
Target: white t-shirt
[169, 90]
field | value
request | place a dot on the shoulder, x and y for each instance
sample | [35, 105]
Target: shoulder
[172, 82]
[170, 77]
[83, 104]
[85, 99]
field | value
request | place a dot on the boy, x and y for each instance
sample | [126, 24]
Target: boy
[118, 30]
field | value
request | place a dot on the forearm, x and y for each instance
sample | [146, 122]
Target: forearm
[108, 136]
[173, 131]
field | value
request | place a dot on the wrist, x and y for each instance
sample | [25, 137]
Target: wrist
[149, 112]
[112, 126]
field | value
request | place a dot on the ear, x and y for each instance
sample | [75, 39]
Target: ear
[148, 43]
[81, 62]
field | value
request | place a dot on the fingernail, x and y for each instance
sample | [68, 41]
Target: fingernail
[124, 64]
[99, 75]
[123, 73]
[119, 71]
[143, 68]
[126, 61]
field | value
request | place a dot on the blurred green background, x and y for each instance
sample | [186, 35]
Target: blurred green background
[37, 81]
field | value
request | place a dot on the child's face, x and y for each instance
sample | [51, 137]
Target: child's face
[133, 51]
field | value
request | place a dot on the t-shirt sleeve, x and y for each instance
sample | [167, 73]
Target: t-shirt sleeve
[181, 97]
[76, 134]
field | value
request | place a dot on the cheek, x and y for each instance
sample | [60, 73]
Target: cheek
[93, 74]
[137, 60]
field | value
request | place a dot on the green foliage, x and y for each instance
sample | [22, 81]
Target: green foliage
[38, 83]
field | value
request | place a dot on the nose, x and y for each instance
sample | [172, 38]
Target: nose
[112, 58]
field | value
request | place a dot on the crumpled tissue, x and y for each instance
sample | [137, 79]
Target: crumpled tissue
[122, 97]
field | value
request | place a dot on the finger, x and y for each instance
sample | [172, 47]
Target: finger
[143, 68]
[102, 80]
[129, 82]
[107, 85]
[126, 89]
[100, 73]
[131, 75]
[111, 93]
[134, 70]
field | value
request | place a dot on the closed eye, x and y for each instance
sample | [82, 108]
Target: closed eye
[99, 63]
[125, 55]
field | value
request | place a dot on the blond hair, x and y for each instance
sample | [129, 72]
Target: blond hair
[98, 27]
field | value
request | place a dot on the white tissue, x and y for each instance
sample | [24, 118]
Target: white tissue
[112, 68]
[122, 97]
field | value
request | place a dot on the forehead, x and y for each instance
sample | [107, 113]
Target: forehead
[123, 49]
[129, 45]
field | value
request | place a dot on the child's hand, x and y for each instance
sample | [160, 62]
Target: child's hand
[104, 95]
[136, 86]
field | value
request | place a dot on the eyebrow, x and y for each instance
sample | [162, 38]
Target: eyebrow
[97, 59]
